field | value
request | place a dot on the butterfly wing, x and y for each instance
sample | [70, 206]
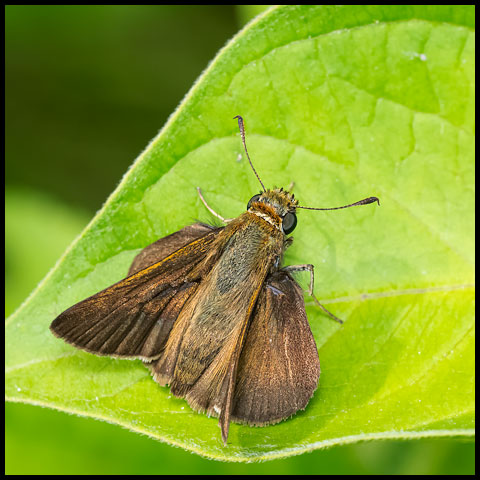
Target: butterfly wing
[278, 369]
[133, 318]
[163, 247]
[200, 358]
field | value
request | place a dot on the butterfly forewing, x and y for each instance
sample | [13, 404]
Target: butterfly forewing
[133, 317]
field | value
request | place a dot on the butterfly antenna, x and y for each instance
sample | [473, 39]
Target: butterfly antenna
[242, 133]
[365, 201]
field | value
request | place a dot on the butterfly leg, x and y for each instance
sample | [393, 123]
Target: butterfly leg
[213, 212]
[309, 267]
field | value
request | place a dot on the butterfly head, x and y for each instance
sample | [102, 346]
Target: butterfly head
[277, 207]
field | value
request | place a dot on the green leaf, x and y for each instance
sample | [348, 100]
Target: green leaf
[347, 102]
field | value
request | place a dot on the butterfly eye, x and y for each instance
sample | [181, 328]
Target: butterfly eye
[253, 199]
[289, 223]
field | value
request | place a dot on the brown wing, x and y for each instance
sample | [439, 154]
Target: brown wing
[165, 246]
[278, 370]
[200, 358]
[133, 317]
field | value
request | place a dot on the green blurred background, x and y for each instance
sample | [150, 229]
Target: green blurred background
[87, 87]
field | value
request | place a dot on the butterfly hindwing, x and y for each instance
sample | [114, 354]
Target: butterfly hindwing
[163, 247]
[278, 369]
